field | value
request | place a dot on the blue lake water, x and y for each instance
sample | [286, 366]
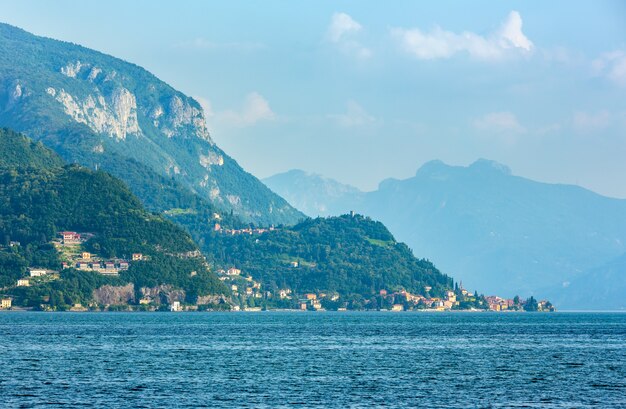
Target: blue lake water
[452, 360]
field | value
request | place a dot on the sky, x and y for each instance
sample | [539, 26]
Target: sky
[363, 90]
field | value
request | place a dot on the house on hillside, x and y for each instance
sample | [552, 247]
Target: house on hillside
[38, 272]
[109, 268]
[23, 282]
[137, 257]
[70, 237]
[233, 272]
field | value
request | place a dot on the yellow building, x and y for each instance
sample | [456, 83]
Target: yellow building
[5, 304]
[23, 282]
[86, 255]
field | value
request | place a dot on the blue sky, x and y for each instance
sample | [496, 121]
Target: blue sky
[364, 90]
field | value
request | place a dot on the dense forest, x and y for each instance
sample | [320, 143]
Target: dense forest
[39, 197]
[348, 255]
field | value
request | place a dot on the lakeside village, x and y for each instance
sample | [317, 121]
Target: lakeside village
[250, 295]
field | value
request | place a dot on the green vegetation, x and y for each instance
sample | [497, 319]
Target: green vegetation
[37, 202]
[162, 166]
[19, 151]
[347, 255]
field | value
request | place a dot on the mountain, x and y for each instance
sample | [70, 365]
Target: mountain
[40, 197]
[350, 258]
[18, 151]
[599, 288]
[495, 231]
[350, 255]
[313, 194]
[106, 113]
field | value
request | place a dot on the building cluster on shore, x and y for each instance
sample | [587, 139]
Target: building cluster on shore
[69, 245]
[250, 295]
[234, 232]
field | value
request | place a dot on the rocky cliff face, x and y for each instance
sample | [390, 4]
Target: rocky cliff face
[89, 107]
[112, 110]
[111, 295]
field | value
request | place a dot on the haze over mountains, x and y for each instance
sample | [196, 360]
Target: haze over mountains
[98, 110]
[499, 233]
[491, 229]
[102, 112]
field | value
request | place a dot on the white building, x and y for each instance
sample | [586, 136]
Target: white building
[176, 306]
[37, 272]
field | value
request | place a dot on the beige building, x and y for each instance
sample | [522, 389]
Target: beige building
[23, 282]
[5, 303]
[233, 271]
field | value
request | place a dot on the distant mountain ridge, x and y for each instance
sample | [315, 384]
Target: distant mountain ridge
[100, 111]
[313, 194]
[495, 231]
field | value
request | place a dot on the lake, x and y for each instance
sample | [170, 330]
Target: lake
[307, 359]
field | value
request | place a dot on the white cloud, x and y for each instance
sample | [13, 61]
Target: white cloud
[355, 116]
[612, 66]
[439, 43]
[255, 109]
[499, 122]
[340, 25]
[341, 32]
[585, 122]
[511, 35]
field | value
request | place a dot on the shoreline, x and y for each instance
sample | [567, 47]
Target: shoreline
[24, 310]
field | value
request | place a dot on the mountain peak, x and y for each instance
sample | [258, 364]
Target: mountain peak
[431, 166]
[490, 166]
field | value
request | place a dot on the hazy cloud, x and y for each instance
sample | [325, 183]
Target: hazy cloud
[612, 66]
[439, 43]
[206, 106]
[354, 116]
[342, 31]
[341, 24]
[585, 122]
[255, 109]
[499, 122]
